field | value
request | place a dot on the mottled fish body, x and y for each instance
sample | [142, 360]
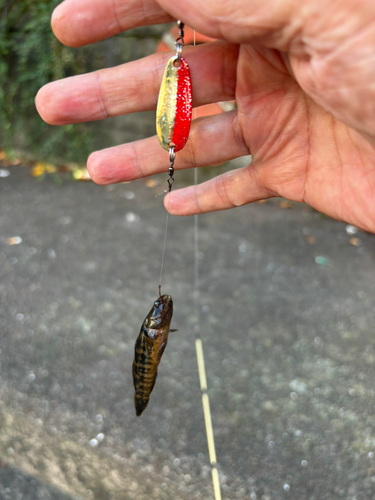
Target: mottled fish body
[149, 348]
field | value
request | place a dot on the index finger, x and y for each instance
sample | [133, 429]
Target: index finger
[87, 21]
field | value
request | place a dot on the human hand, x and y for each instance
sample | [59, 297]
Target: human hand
[302, 74]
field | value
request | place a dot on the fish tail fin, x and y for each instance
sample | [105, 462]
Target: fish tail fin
[140, 404]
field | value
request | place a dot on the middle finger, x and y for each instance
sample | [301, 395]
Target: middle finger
[134, 86]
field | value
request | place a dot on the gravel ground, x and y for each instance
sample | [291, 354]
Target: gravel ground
[287, 320]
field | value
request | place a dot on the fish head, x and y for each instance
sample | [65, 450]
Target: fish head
[161, 312]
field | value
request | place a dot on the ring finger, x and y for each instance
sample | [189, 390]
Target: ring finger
[223, 141]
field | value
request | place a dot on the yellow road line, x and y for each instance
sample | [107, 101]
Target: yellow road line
[201, 368]
[207, 418]
[216, 483]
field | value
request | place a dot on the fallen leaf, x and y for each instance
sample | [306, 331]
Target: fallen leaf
[50, 169]
[14, 240]
[311, 240]
[355, 241]
[37, 170]
[81, 174]
[150, 183]
[43, 168]
[285, 204]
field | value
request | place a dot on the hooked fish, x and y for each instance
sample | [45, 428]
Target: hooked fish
[149, 348]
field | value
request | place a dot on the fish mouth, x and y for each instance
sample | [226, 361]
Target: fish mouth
[165, 299]
[163, 310]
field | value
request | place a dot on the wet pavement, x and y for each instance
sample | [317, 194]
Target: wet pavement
[287, 319]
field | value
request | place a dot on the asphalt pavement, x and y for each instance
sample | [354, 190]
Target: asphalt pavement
[287, 319]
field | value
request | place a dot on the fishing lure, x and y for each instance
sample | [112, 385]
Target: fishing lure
[149, 348]
[174, 110]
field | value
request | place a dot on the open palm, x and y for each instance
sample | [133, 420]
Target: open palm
[300, 151]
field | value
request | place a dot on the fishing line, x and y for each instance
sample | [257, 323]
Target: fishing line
[164, 247]
[200, 356]
[170, 181]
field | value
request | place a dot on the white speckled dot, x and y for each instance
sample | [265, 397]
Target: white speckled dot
[100, 436]
[31, 377]
[304, 463]
[351, 229]
[65, 220]
[286, 487]
[271, 444]
[14, 240]
[371, 454]
[298, 386]
[131, 217]
[94, 442]
[51, 253]
[19, 317]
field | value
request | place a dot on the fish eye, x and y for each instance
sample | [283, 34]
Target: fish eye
[156, 304]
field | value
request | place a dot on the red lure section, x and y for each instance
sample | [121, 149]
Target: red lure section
[183, 107]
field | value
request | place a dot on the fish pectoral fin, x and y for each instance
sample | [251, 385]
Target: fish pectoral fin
[173, 330]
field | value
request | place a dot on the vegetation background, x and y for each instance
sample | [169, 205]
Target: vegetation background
[30, 57]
